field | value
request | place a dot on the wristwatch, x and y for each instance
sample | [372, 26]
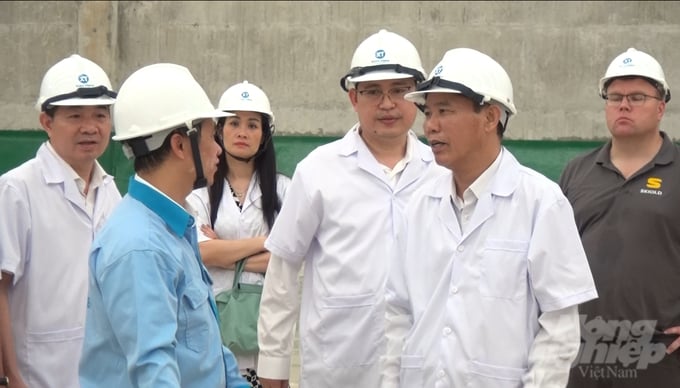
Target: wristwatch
[4, 381]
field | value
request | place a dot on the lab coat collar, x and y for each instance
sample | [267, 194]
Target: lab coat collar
[352, 142]
[502, 184]
[176, 217]
[54, 173]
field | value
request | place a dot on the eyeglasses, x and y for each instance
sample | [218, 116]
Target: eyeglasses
[635, 99]
[376, 94]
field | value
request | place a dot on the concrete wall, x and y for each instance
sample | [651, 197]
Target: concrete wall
[555, 52]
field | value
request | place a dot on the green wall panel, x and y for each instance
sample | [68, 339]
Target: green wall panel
[547, 157]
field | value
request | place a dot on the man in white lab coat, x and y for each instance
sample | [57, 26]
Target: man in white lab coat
[486, 292]
[52, 206]
[340, 218]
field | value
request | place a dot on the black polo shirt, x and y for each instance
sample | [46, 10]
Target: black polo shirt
[631, 234]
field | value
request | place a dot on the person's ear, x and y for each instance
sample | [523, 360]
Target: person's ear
[178, 146]
[46, 122]
[492, 117]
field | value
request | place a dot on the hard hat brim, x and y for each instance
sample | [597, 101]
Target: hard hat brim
[207, 115]
[103, 100]
[419, 96]
[379, 76]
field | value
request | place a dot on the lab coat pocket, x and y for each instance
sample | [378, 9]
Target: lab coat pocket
[50, 352]
[411, 374]
[493, 376]
[504, 269]
[194, 312]
[350, 331]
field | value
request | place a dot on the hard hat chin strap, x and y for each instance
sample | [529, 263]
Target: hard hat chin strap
[193, 134]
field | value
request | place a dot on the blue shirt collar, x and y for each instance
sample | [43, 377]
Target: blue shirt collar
[177, 218]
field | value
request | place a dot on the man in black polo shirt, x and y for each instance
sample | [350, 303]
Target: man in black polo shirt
[626, 200]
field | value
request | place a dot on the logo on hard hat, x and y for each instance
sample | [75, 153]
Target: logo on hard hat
[438, 70]
[380, 54]
[245, 94]
[627, 61]
[83, 78]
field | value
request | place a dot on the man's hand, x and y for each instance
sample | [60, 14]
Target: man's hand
[675, 344]
[267, 383]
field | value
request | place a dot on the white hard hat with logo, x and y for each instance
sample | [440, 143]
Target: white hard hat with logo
[247, 97]
[383, 56]
[75, 81]
[635, 63]
[473, 74]
[156, 99]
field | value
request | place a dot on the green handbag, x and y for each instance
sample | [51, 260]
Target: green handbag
[238, 310]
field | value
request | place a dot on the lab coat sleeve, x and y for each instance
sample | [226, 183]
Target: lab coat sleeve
[558, 267]
[279, 308]
[14, 229]
[398, 321]
[554, 349]
[140, 298]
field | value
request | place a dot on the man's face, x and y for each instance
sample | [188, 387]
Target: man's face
[630, 119]
[455, 132]
[383, 113]
[209, 149]
[79, 134]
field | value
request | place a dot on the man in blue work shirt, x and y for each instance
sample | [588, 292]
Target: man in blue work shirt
[151, 318]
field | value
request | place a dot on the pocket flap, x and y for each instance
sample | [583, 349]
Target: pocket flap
[496, 371]
[196, 296]
[507, 245]
[345, 301]
[412, 361]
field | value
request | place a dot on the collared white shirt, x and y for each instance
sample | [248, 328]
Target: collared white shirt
[95, 180]
[464, 207]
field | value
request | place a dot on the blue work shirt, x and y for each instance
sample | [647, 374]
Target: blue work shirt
[150, 313]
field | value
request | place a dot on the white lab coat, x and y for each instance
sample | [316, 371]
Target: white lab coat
[233, 223]
[340, 217]
[45, 238]
[469, 303]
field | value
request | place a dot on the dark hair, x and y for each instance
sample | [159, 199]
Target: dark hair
[499, 127]
[154, 158]
[265, 167]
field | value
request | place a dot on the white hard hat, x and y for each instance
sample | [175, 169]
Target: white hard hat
[635, 63]
[157, 99]
[75, 81]
[470, 73]
[247, 97]
[383, 56]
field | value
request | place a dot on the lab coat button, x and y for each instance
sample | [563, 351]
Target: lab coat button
[441, 374]
[447, 331]
[461, 248]
[454, 290]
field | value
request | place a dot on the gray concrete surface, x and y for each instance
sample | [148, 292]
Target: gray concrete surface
[555, 52]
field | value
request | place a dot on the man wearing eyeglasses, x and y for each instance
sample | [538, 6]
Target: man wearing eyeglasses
[625, 199]
[52, 206]
[340, 218]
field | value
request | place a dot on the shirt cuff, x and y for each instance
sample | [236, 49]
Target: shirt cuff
[274, 368]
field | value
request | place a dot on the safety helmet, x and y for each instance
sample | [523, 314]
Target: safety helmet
[245, 96]
[156, 99]
[382, 56]
[470, 73]
[75, 81]
[635, 63]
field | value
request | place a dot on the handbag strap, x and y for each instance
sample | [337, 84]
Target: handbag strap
[240, 265]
